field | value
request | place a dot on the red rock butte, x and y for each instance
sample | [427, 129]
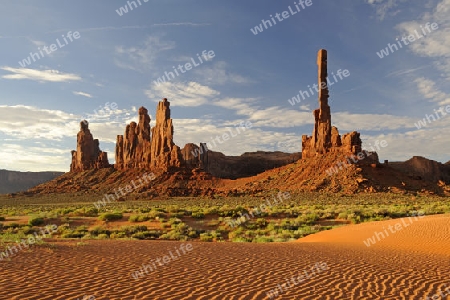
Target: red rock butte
[143, 147]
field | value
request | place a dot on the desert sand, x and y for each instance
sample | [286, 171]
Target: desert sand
[409, 264]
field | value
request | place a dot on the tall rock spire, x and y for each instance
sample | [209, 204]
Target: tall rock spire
[165, 154]
[325, 138]
[322, 129]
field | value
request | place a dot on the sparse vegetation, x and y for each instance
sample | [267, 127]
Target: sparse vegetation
[208, 220]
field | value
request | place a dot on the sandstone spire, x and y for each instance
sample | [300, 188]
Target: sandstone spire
[326, 138]
[88, 155]
[133, 148]
[165, 154]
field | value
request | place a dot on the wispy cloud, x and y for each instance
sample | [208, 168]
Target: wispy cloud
[219, 74]
[39, 75]
[383, 7]
[182, 94]
[142, 57]
[82, 94]
[105, 28]
[182, 24]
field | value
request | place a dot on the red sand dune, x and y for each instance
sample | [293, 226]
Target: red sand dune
[410, 264]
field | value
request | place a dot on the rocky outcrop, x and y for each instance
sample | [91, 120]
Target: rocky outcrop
[233, 167]
[88, 154]
[133, 149]
[165, 154]
[421, 168]
[145, 147]
[325, 138]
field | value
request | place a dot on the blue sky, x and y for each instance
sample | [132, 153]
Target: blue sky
[116, 59]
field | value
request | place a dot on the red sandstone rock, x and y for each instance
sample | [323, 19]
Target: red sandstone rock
[133, 148]
[165, 154]
[88, 155]
[326, 138]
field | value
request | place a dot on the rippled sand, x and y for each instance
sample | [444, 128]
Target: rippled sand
[409, 264]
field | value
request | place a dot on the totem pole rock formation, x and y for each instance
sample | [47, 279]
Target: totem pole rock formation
[133, 148]
[137, 148]
[165, 154]
[88, 155]
[153, 149]
[325, 138]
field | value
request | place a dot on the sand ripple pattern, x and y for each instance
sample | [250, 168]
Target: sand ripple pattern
[411, 264]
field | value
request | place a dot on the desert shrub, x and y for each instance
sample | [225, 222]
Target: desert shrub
[139, 218]
[117, 235]
[72, 235]
[206, 237]
[156, 214]
[198, 214]
[27, 230]
[263, 239]
[103, 236]
[36, 221]
[173, 235]
[110, 216]
[97, 230]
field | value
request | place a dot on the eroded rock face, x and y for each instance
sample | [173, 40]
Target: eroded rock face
[154, 149]
[88, 154]
[133, 148]
[325, 138]
[165, 154]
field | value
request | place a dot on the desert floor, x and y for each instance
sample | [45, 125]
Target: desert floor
[411, 263]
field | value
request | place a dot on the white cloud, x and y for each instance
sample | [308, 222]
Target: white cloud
[38, 75]
[218, 74]
[182, 94]
[82, 94]
[429, 90]
[384, 7]
[34, 159]
[142, 57]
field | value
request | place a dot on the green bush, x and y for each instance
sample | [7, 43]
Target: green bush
[198, 214]
[2, 219]
[139, 218]
[107, 217]
[206, 237]
[36, 221]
